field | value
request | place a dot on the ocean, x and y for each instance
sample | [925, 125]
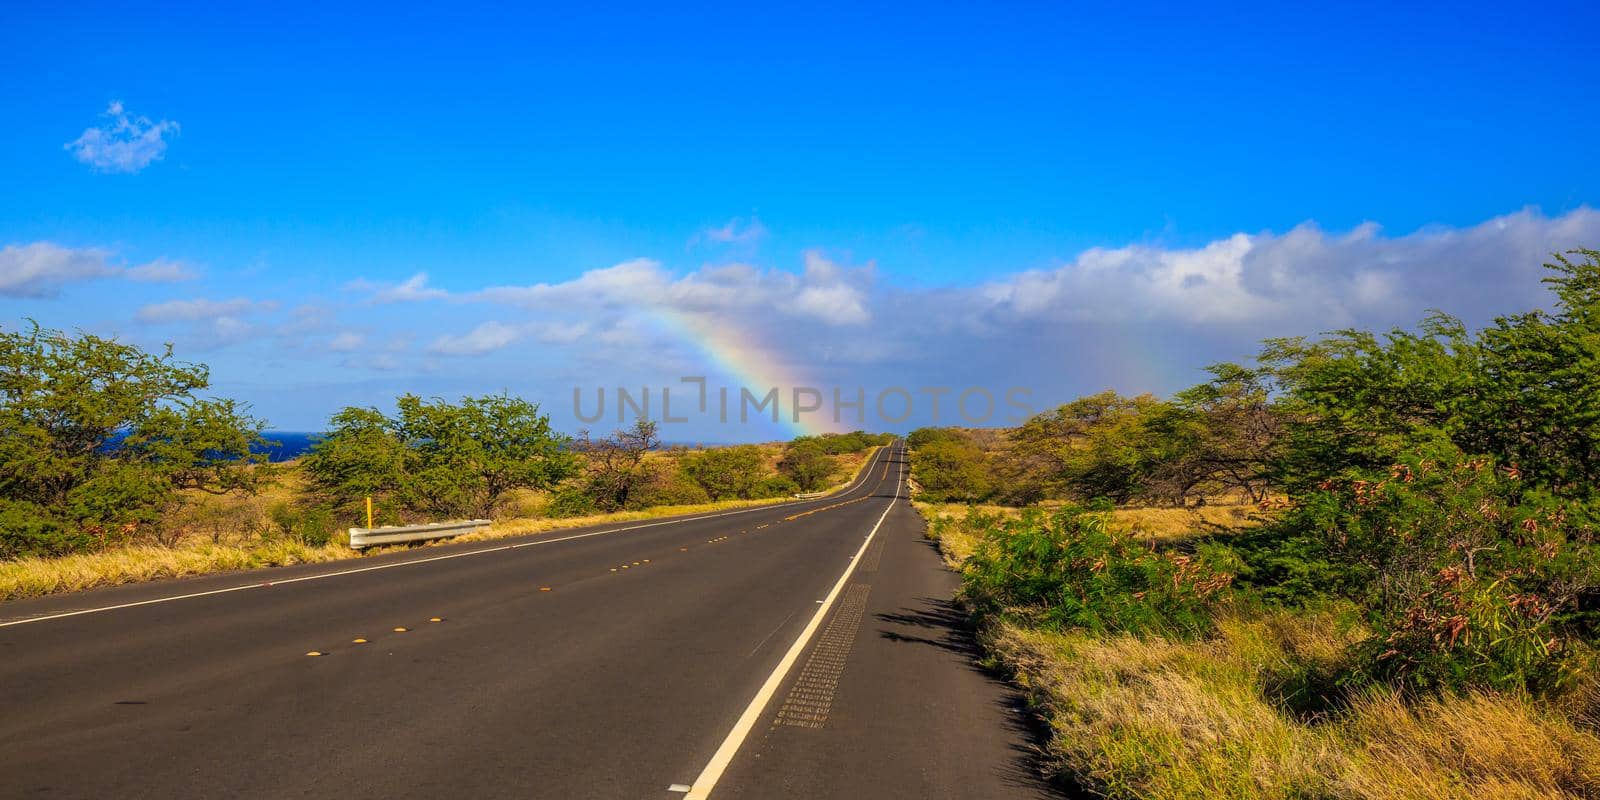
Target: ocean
[288, 444]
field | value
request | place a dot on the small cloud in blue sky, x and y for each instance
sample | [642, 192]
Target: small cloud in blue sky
[736, 231]
[123, 142]
[411, 290]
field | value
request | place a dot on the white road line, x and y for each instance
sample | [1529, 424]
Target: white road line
[854, 485]
[752, 713]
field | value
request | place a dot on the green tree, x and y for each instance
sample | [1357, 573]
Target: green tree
[439, 458]
[951, 469]
[361, 455]
[98, 439]
[808, 465]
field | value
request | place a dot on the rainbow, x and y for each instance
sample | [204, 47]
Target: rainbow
[743, 360]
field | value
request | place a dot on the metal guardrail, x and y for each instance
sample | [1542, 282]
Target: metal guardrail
[361, 538]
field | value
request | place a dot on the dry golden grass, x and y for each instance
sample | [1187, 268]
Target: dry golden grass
[1152, 718]
[220, 534]
[1164, 719]
[1167, 522]
[30, 577]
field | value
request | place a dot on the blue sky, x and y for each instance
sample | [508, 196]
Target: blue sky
[884, 178]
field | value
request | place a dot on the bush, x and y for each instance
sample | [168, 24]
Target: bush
[668, 488]
[1072, 570]
[571, 501]
[27, 529]
[1470, 577]
[726, 472]
[776, 486]
[313, 526]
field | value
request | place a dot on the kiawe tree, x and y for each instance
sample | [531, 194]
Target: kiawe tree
[99, 438]
[438, 458]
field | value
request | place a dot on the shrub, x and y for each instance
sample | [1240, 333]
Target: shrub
[776, 486]
[571, 501]
[313, 526]
[1470, 578]
[27, 529]
[668, 488]
[726, 472]
[1072, 570]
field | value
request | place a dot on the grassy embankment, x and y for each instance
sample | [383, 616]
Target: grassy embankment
[233, 533]
[1152, 717]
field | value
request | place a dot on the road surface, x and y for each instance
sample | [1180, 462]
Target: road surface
[801, 650]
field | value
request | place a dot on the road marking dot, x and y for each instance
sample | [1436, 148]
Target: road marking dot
[358, 641]
[399, 630]
[647, 561]
[436, 619]
[681, 788]
[544, 588]
[683, 549]
[314, 653]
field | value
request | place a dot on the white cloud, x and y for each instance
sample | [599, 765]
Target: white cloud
[411, 290]
[161, 271]
[825, 291]
[346, 341]
[123, 143]
[735, 231]
[1304, 275]
[485, 338]
[40, 269]
[202, 309]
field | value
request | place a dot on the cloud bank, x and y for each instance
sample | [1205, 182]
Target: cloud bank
[1141, 317]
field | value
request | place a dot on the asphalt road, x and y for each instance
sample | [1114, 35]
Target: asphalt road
[807, 649]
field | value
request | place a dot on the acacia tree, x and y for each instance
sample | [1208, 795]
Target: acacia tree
[439, 458]
[99, 438]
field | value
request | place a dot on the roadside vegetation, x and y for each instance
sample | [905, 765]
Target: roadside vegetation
[1361, 566]
[116, 467]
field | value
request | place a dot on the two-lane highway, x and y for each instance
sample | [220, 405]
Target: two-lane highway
[623, 661]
